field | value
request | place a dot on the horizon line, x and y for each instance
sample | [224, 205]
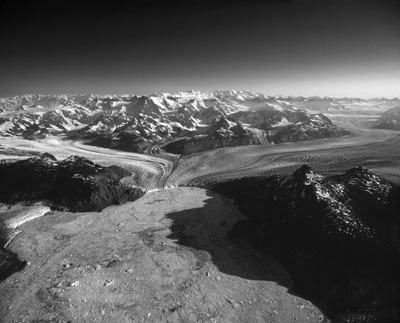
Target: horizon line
[200, 91]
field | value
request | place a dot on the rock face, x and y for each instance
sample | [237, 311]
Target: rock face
[75, 184]
[389, 120]
[337, 236]
[9, 262]
[202, 120]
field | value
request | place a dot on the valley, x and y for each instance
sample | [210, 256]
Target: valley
[169, 256]
[154, 169]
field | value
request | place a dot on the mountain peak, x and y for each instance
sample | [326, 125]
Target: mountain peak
[305, 175]
[304, 169]
[358, 171]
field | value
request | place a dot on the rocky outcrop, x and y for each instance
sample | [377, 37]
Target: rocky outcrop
[9, 262]
[75, 184]
[337, 236]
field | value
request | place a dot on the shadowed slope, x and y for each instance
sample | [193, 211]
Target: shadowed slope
[337, 236]
[75, 183]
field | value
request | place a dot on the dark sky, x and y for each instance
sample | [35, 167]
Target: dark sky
[303, 47]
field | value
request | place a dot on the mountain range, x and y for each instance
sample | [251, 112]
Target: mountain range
[183, 122]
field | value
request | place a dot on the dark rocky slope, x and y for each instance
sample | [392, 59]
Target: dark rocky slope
[226, 132]
[9, 262]
[75, 184]
[312, 128]
[339, 236]
[389, 120]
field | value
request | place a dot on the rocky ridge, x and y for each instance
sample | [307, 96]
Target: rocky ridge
[337, 236]
[75, 184]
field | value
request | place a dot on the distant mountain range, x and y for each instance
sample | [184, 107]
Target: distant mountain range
[183, 123]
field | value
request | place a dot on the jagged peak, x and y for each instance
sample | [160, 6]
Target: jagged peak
[225, 122]
[304, 169]
[306, 175]
[77, 159]
[358, 171]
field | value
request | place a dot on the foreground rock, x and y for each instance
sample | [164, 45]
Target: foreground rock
[74, 184]
[9, 262]
[163, 258]
[338, 236]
